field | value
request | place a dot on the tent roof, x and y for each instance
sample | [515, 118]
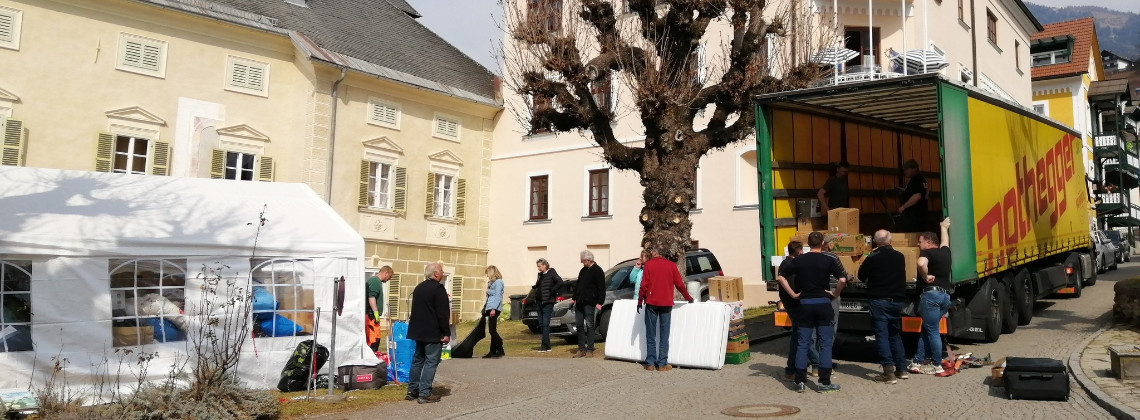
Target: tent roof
[77, 213]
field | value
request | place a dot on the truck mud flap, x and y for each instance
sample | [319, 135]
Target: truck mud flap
[1050, 280]
[960, 320]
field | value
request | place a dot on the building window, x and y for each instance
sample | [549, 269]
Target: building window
[537, 104]
[10, 21]
[1017, 54]
[446, 127]
[379, 185]
[866, 42]
[148, 298]
[384, 114]
[965, 74]
[962, 10]
[547, 12]
[1051, 57]
[130, 155]
[1039, 108]
[991, 26]
[16, 305]
[599, 192]
[138, 54]
[247, 76]
[444, 193]
[602, 90]
[539, 197]
[697, 65]
[239, 166]
[282, 297]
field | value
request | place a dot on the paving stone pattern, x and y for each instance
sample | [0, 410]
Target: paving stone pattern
[522, 387]
[1097, 365]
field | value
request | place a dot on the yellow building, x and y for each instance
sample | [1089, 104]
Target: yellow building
[380, 116]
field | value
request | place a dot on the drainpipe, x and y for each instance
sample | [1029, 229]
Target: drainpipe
[974, 44]
[332, 137]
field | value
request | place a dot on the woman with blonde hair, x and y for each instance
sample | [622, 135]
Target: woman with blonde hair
[492, 309]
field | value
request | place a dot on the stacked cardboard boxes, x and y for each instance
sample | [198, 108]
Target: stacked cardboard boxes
[731, 291]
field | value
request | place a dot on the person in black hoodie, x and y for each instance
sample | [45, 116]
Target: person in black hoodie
[428, 325]
[588, 297]
[546, 291]
[884, 272]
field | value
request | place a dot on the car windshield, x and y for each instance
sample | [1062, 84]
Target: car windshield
[1113, 236]
[701, 264]
[619, 279]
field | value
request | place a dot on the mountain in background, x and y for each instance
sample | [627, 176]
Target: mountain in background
[1116, 31]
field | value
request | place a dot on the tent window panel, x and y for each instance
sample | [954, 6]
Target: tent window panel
[290, 284]
[15, 306]
[148, 298]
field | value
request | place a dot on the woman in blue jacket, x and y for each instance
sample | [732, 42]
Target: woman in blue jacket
[492, 310]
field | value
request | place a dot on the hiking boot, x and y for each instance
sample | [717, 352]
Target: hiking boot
[665, 368]
[650, 367]
[429, 399]
[902, 374]
[800, 387]
[411, 396]
[580, 353]
[589, 353]
[827, 388]
[888, 376]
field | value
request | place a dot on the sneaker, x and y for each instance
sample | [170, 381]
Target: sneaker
[936, 369]
[914, 368]
[543, 350]
[800, 387]
[827, 389]
[926, 369]
[902, 374]
[411, 396]
[429, 399]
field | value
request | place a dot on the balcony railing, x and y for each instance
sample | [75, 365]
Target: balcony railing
[1131, 161]
[1111, 198]
[1107, 140]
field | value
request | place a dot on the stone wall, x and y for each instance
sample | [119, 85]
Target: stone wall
[1127, 301]
[464, 267]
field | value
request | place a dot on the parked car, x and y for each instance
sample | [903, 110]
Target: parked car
[1105, 252]
[1123, 248]
[530, 304]
[698, 265]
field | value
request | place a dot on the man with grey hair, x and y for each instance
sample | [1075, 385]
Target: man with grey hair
[588, 298]
[884, 272]
[546, 293]
[429, 325]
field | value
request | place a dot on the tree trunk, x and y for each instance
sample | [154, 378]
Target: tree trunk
[668, 181]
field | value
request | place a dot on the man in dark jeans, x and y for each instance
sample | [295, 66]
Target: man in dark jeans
[658, 280]
[792, 306]
[934, 303]
[428, 325]
[812, 272]
[588, 297]
[884, 272]
[546, 291]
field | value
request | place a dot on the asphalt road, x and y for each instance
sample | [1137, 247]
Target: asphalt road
[524, 387]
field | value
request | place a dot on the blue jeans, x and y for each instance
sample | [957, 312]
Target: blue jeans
[886, 317]
[424, 363]
[794, 313]
[815, 317]
[932, 306]
[584, 318]
[657, 344]
[544, 313]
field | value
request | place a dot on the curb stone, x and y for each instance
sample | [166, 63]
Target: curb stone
[1114, 407]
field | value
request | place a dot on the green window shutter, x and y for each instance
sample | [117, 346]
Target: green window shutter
[104, 152]
[265, 169]
[429, 204]
[400, 199]
[14, 143]
[394, 297]
[365, 168]
[161, 165]
[461, 199]
[217, 164]
[456, 294]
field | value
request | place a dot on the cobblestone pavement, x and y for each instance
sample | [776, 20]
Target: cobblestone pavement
[1096, 365]
[522, 387]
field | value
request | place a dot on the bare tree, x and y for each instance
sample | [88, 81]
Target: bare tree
[561, 52]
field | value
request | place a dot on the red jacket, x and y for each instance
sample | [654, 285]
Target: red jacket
[659, 277]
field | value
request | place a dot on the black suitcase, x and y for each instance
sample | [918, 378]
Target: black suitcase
[1030, 378]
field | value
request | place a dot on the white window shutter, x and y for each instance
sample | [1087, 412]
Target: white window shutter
[265, 169]
[365, 170]
[7, 27]
[14, 143]
[400, 193]
[161, 163]
[104, 152]
[429, 204]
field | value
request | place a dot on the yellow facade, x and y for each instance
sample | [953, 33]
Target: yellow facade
[72, 81]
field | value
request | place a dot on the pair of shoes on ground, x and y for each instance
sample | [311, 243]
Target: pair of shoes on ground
[493, 355]
[800, 387]
[924, 368]
[890, 375]
[584, 353]
[543, 350]
[428, 399]
[664, 368]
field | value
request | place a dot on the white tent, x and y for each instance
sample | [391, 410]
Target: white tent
[95, 262]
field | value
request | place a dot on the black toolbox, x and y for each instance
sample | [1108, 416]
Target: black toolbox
[1030, 378]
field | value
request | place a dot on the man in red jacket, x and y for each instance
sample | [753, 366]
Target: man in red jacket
[658, 279]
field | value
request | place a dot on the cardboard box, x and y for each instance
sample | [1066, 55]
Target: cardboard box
[726, 289]
[736, 328]
[851, 265]
[737, 358]
[132, 336]
[810, 224]
[845, 220]
[996, 373]
[904, 239]
[849, 244]
[911, 255]
[737, 310]
[737, 344]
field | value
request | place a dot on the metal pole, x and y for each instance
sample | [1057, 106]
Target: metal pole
[332, 341]
[902, 14]
[871, 32]
[925, 35]
[839, 40]
[313, 354]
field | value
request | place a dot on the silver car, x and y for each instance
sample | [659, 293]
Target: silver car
[1105, 252]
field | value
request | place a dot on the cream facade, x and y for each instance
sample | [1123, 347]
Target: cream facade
[185, 88]
[725, 218]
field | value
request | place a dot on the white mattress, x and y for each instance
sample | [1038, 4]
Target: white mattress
[698, 333]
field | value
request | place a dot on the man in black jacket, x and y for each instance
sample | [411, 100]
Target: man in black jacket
[546, 291]
[429, 326]
[588, 298]
[884, 271]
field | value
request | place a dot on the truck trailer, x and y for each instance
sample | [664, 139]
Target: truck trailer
[1011, 181]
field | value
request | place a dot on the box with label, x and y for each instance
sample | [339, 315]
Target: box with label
[910, 254]
[845, 220]
[848, 244]
[132, 336]
[737, 344]
[737, 358]
[726, 288]
[736, 309]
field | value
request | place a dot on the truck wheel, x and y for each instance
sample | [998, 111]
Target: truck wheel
[1091, 280]
[1101, 265]
[1113, 267]
[604, 325]
[1023, 297]
[993, 294]
[1078, 287]
[1008, 309]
